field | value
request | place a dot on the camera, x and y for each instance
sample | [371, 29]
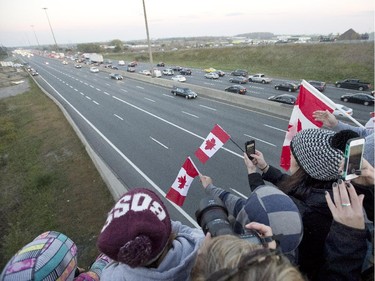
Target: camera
[212, 216]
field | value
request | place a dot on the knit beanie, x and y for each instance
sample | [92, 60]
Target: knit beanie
[50, 256]
[137, 229]
[270, 206]
[313, 150]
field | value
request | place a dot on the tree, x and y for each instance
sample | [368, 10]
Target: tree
[89, 48]
[119, 46]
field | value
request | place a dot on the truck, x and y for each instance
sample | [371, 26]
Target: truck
[355, 84]
[260, 78]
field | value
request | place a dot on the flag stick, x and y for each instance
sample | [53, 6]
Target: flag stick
[237, 145]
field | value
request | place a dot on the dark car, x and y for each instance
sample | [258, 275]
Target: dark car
[185, 92]
[177, 68]
[355, 84]
[116, 76]
[284, 98]
[239, 72]
[320, 85]
[185, 71]
[238, 79]
[220, 73]
[238, 89]
[114, 67]
[290, 87]
[161, 64]
[364, 99]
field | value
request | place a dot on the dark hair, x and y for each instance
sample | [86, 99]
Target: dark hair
[300, 183]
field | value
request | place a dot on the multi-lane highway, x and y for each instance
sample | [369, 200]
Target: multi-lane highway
[144, 133]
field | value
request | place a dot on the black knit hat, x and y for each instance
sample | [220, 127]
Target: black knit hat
[314, 152]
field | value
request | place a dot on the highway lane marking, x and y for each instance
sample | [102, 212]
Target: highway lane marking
[124, 90]
[169, 96]
[106, 93]
[86, 83]
[95, 102]
[275, 128]
[87, 97]
[98, 90]
[239, 193]
[119, 117]
[190, 114]
[71, 86]
[82, 93]
[158, 142]
[76, 90]
[92, 86]
[266, 142]
[210, 108]
[107, 84]
[149, 99]
[139, 87]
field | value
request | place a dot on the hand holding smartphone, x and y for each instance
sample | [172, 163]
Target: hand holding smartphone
[353, 158]
[250, 148]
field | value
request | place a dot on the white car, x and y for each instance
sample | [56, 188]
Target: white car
[64, 62]
[168, 71]
[179, 78]
[344, 108]
[212, 75]
[145, 72]
[94, 69]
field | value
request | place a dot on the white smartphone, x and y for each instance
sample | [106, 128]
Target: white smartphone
[353, 158]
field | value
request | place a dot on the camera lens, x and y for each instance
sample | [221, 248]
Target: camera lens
[212, 216]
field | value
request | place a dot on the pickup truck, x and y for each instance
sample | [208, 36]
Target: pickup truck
[353, 84]
[260, 78]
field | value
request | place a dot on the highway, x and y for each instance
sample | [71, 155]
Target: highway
[144, 133]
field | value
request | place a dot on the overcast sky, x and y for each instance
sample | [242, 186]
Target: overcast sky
[80, 21]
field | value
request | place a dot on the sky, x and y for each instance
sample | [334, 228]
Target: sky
[24, 22]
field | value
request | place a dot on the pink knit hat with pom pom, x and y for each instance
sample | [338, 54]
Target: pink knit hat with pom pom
[137, 228]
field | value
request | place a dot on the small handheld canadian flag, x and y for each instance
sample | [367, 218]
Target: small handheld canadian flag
[214, 141]
[180, 187]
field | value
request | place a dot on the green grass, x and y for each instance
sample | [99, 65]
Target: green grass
[326, 62]
[47, 180]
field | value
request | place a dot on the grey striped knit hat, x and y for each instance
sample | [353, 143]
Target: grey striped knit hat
[312, 148]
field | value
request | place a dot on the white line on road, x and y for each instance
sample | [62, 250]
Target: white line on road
[76, 90]
[92, 86]
[82, 93]
[107, 84]
[98, 90]
[169, 96]
[124, 90]
[71, 86]
[95, 102]
[239, 193]
[139, 87]
[274, 128]
[158, 142]
[190, 114]
[86, 83]
[88, 98]
[118, 117]
[210, 108]
[266, 142]
[149, 99]
[106, 93]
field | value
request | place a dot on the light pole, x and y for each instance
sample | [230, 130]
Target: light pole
[57, 48]
[32, 27]
[148, 40]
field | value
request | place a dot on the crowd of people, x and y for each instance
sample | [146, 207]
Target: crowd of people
[310, 224]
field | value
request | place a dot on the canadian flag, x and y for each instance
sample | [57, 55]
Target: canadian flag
[309, 100]
[180, 187]
[215, 139]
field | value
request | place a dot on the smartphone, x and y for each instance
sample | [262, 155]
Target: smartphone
[353, 157]
[250, 148]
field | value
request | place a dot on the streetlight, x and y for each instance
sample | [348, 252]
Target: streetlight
[57, 48]
[148, 40]
[32, 27]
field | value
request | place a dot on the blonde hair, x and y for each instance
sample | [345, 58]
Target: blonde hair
[238, 260]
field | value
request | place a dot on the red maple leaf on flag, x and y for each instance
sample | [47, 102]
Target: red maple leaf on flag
[210, 144]
[182, 181]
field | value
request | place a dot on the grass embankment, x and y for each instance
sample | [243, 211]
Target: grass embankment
[325, 62]
[47, 180]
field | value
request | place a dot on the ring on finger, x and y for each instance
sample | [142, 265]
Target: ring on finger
[345, 204]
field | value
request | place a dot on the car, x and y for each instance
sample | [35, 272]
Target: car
[177, 68]
[161, 64]
[64, 62]
[290, 87]
[212, 75]
[239, 72]
[284, 98]
[133, 64]
[186, 71]
[238, 89]
[145, 72]
[77, 65]
[220, 73]
[260, 78]
[34, 72]
[344, 108]
[185, 92]
[94, 69]
[364, 99]
[168, 71]
[46, 62]
[238, 79]
[130, 69]
[320, 85]
[116, 76]
[355, 84]
[114, 67]
[157, 73]
[179, 78]
[208, 70]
